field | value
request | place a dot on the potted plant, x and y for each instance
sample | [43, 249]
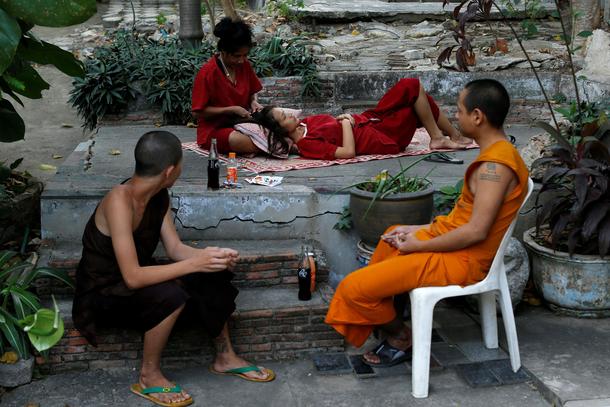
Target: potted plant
[19, 200]
[386, 200]
[571, 238]
[24, 324]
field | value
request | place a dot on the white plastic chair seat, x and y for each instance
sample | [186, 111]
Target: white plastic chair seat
[424, 299]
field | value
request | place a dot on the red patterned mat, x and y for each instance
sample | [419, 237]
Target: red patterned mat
[419, 146]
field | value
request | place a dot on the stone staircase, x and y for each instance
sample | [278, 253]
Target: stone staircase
[270, 323]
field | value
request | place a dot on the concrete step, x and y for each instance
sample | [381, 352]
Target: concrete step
[270, 323]
[366, 10]
[262, 263]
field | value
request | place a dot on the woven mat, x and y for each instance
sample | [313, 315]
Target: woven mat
[258, 164]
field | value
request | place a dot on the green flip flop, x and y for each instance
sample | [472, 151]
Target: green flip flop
[147, 394]
[241, 372]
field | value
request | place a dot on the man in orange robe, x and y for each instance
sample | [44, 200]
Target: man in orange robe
[454, 249]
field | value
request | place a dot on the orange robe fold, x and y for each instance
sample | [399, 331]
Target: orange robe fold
[364, 299]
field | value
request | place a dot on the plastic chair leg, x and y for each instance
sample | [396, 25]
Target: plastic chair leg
[421, 321]
[489, 323]
[509, 325]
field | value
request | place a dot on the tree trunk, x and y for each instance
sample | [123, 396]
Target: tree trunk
[210, 7]
[229, 9]
[191, 32]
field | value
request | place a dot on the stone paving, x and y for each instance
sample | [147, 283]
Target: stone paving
[350, 46]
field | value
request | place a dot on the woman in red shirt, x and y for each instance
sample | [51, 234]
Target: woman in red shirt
[386, 129]
[225, 89]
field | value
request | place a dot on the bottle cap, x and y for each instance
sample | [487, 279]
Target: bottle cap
[231, 155]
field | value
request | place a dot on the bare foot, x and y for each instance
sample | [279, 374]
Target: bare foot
[156, 379]
[440, 143]
[227, 361]
[461, 140]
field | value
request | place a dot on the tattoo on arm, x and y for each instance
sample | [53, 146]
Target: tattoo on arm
[491, 174]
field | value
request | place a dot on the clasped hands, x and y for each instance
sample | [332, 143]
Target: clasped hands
[212, 259]
[346, 116]
[403, 238]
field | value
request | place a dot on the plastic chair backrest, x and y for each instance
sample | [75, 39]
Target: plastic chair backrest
[499, 257]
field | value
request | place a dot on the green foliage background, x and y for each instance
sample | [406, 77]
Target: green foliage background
[20, 49]
[164, 72]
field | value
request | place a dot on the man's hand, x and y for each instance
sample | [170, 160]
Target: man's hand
[402, 229]
[239, 111]
[407, 242]
[213, 259]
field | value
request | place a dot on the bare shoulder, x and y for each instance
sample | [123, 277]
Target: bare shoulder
[116, 204]
[119, 195]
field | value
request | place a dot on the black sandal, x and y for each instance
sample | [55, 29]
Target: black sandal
[443, 158]
[388, 355]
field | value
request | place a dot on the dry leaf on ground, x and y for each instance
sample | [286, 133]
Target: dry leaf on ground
[47, 167]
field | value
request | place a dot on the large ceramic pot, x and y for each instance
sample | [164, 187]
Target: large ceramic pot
[408, 208]
[577, 286]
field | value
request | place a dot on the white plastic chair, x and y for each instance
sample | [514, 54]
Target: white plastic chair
[424, 299]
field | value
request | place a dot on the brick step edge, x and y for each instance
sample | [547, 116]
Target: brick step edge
[281, 333]
[252, 270]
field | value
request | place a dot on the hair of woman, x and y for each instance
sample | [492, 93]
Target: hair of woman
[276, 134]
[233, 35]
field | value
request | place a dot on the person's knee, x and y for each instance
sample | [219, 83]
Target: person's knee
[349, 288]
[411, 83]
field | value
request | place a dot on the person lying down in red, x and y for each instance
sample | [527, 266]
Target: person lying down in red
[386, 129]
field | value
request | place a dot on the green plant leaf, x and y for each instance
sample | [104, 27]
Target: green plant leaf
[28, 299]
[43, 53]
[5, 256]
[16, 163]
[51, 13]
[10, 34]
[58, 274]
[12, 273]
[13, 334]
[33, 84]
[45, 329]
[19, 308]
[12, 125]
[585, 34]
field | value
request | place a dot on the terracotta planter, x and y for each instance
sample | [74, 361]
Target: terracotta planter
[408, 208]
[577, 286]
